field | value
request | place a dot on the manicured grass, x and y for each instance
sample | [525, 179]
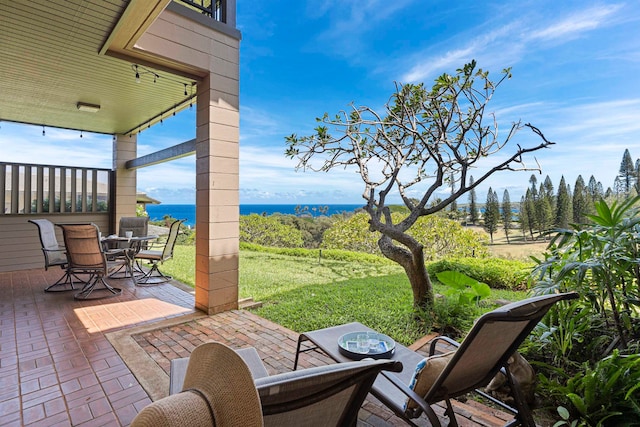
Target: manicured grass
[304, 293]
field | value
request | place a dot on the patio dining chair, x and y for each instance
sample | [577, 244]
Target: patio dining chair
[328, 395]
[86, 256]
[138, 226]
[54, 255]
[156, 254]
[485, 351]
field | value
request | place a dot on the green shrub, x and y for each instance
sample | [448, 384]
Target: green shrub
[269, 231]
[495, 272]
[441, 237]
[607, 394]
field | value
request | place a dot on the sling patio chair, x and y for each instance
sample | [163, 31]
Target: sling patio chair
[54, 255]
[328, 395]
[86, 256]
[156, 254]
[482, 354]
[138, 226]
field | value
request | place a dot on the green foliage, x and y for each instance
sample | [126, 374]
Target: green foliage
[473, 205]
[569, 335]
[507, 213]
[311, 228]
[599, 261]
[323, 254]
[352, 234]
[565, 418]
[467, 290]
[491, 213]
[564, 212]
[441, 237]
[627, 173]
[498, 273]
[579, 201]
[268, 231]
[607, 393]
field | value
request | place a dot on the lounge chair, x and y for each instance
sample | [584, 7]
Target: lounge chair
[323, 396]
[483, 353]
[85, 256]
[54, 255]
[157, 254]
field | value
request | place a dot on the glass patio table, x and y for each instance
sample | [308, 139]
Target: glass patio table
[134, 245]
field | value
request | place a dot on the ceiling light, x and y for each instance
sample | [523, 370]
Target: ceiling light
[90, 108]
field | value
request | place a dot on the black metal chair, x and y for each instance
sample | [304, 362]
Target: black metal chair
[156, 254]
[54, 255]
[484, 352]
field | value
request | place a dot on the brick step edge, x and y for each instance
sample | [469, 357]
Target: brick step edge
[248, 303]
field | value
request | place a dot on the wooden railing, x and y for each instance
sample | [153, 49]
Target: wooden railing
[30, 189]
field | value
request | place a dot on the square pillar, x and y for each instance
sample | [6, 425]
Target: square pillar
[217, 194]
[125, 148]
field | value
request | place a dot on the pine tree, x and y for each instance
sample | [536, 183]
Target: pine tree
[594, 194]
[523, 217]
[549, 193]
[530, 202]
[563, 205]
[619, 187]
[579, 201]
[544, 212]
[473, 208]
[627, 174]
[637, 184]
[453, 206]
[507, 214]
[491, 213]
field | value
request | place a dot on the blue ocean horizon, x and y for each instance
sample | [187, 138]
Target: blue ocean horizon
[188, 212]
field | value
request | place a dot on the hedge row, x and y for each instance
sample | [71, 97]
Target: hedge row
[498, 273]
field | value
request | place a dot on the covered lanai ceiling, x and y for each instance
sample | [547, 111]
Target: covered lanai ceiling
[55, 54]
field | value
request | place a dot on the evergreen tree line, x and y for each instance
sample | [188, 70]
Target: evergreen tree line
[543, 209]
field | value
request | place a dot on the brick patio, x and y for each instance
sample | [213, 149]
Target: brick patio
[94, 363]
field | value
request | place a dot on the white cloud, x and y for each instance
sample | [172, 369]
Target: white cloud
[508, 44]
[576, 24]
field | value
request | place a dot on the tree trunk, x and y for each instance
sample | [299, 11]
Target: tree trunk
[411, 259]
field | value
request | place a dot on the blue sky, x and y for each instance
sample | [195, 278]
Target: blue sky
[576, 76]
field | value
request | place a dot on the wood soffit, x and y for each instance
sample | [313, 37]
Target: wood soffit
[57, 53]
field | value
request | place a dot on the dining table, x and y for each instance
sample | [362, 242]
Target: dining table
[127, 247]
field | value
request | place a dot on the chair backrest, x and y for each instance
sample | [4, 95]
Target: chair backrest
[167, 252]
[84, 251]
[139, 225]
[328, 395]
[53, 253]
[493, 339]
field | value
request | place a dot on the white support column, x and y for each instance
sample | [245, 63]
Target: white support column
[217, 194]
[124, 149]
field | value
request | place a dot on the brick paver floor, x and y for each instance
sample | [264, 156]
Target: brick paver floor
[58, 367]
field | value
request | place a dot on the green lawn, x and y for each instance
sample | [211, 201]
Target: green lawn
[305, 293]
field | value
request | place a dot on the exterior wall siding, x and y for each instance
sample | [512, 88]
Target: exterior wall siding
[19, 241]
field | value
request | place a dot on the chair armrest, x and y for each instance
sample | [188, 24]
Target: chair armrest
[179, 368]
[434, 342]
[426, 408]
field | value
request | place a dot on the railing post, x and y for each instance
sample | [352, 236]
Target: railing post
[15, 188]
[3, 179]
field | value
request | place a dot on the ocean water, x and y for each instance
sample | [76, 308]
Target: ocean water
[157, 212]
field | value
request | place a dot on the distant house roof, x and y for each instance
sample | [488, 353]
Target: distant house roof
[143, 199]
